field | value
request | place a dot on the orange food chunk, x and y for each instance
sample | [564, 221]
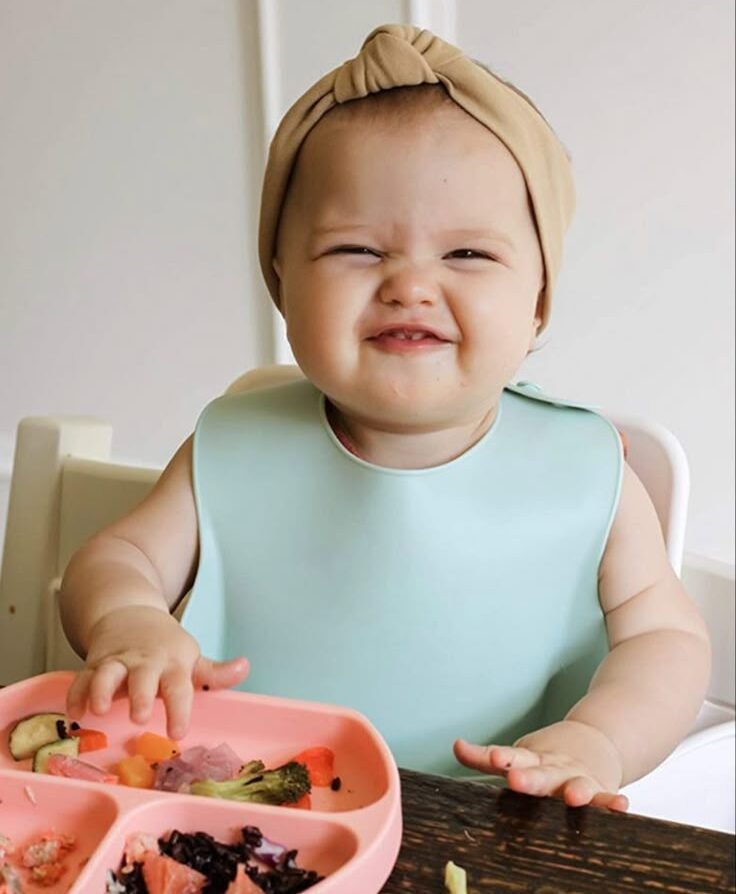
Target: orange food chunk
[89, 739]
[163, 875]
[243, 884]
[154, 747]
[135, 771]
[320, 764]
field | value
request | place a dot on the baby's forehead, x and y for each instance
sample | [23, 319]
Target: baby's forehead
[380, 144]
[424, 115]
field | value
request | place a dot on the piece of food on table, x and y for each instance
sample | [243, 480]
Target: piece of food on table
[71, 768]
[284, 785]
[456, 879]
[320, 764]
[136, 772]
[33, 732]
[89, 739]
[68, 747]
[154, 747]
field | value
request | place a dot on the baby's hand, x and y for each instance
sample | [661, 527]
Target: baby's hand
[147, 652]
[540, 764]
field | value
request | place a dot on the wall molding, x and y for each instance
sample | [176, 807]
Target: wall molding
[269, 53]
[7, 447]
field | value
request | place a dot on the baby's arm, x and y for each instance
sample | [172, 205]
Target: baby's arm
[116, 597]
[645, 695]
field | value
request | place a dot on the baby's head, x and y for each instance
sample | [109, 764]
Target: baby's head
[410, 261]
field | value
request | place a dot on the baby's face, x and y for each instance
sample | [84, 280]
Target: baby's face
[410, 268]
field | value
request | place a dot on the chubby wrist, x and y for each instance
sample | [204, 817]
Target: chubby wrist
[582, 743]
[116, 617]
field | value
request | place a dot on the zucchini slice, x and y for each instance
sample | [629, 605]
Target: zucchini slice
[69, 747]
[30, 733]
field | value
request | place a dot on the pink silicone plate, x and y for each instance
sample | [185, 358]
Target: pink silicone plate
[352, 836]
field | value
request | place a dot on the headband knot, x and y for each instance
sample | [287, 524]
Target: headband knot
[416, 53]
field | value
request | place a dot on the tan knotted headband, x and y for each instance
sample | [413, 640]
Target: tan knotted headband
[405, 56]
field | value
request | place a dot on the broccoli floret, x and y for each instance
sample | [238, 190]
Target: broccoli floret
[284, 785]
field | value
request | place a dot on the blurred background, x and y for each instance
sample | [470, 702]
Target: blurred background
[132, 141]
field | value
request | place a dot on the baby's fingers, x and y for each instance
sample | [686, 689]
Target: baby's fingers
[219, 674]
[495, 759]
[143, 683]
[177, 692]
[584, 790]
[104, 682]
[78, 694]
[575, 792]
[540, 781]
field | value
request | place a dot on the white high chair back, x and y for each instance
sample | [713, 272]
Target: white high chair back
[64, 488]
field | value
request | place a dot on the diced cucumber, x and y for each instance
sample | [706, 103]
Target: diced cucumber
[69, 747]
[456, 879]
[31, 733]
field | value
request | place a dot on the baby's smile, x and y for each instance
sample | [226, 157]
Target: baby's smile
[409, 339]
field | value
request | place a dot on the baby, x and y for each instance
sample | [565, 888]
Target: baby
[469, 563]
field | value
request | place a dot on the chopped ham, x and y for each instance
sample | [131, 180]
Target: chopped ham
[198, 762]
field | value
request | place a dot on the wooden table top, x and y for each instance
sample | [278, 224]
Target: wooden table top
[514, 844]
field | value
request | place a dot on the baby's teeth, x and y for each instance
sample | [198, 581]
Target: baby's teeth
[411, 336]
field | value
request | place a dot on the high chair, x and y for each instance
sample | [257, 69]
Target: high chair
[64, 488]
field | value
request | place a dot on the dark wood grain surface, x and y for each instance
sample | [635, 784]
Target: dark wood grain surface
[514, 844]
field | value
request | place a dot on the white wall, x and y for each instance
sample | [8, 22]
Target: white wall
[642, 94]
[129, 166]
[128, 177]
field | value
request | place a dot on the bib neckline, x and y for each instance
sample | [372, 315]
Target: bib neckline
[391, 470]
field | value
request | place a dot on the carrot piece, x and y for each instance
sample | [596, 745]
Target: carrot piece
[320, 764]
[154, 747]
[136, 772]
[89, 739]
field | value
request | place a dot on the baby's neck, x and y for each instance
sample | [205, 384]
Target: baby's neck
[407, 450]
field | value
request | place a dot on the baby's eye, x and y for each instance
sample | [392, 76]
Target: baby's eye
[353, 250]
[469, 254]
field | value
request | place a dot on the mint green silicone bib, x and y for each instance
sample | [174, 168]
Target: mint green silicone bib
[455, 601]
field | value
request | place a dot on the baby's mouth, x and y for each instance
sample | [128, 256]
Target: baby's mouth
[410, 334]
[407, 340]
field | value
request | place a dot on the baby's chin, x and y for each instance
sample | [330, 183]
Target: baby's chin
[404, 413]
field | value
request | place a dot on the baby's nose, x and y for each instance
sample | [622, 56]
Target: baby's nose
[409, 287]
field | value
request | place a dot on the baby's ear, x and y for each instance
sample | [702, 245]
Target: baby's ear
[539, 312]
[276, 266]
